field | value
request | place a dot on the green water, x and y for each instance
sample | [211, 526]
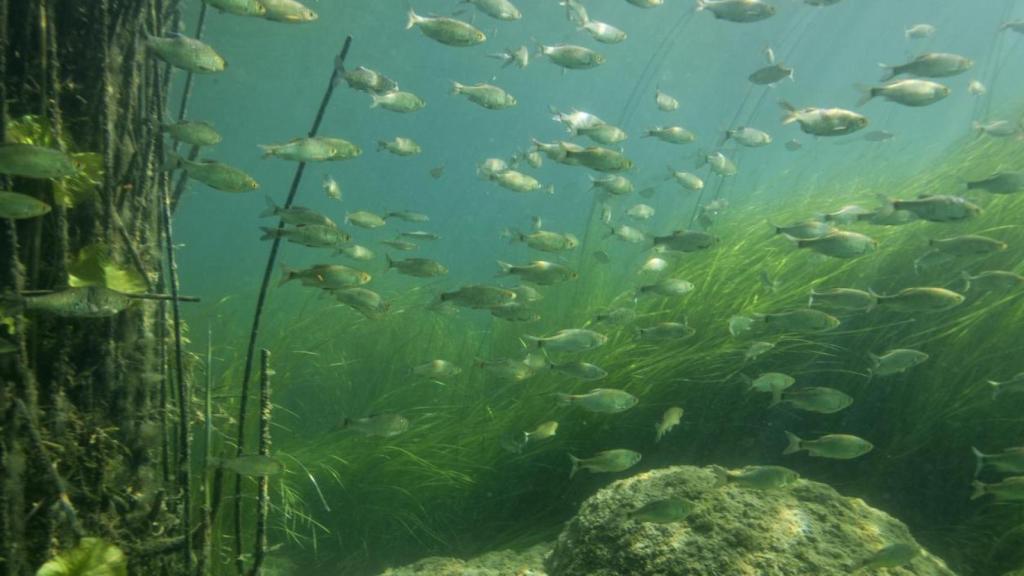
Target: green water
[450, 485]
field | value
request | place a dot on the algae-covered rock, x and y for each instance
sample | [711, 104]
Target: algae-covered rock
[529, 562]
[801, 530]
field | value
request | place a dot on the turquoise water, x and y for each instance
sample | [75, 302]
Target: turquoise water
[447, 486]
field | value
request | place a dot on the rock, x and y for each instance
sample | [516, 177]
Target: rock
[805, 529]
[529, 562]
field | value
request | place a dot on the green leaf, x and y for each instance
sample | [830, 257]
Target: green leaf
[81, 187]
[29, 129]
[92, 557]
[94, 266]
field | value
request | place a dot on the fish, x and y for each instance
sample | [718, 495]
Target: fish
[835, 446]
[840, 244]
[616, 316]
[437, 369]
[664, 101]
[17, 206]
[1009, 490]
[239, 7]
[419, 267]
[686, 241]
[646, 3]
[998, 128]
[968, 245]
[669, 287]
[571, 56]
[817, 399]
[255, 465]
[666, 331]
[312, 149]
[365, 219]
[520, 57]
[847, 299]
[368, 80]
[186, 53]
[515, 312]
[720, 164]
[508, 369]
[640, 212]
[976, 88]
[756, 349]
[575, 11]
[214, 174]
[194, 132]
[757, 477]
[437, 171]
[400, 245]
[878, 136]
[497, 9]
[613, 184]
[1000, 183]
[419, 235]
[992, 280]
[799, 320]
[326, 276]
[331, 188]
[580, 370]
[669, 420]
[31, 161]
[296, 215]
[654, 264]
[367, 302]
[604, 32]
[385, 425]
[600, 159]
[667, 511]
[398, 101]
[1015, 384]
[491, 167]
[479, 296]
[1014, 25]
[910, 92]
[538, 272]
[687, 180]
[400, 146]
[600, 400]
[921, 299]
[518, 182]
[930, 65]
[76, 302]
[311, 235]
[448, 31]
[793, 145]
[671, 134]
[774, 383]
[890, 556]
[569, 340]
[737, 10]
[408, 216]
[545, 240]
[771, 75]
[919, 31]
[616, 460]
[543, 431]
[846, 215]
[1009, 461]
[627, 233]
[823, 121]
[486, 95]
[749, 137]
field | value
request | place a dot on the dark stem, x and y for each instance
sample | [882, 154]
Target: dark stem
[63, 501]
[140, 296]
[339, 69]
[263, 489]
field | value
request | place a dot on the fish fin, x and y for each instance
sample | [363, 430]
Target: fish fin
[866, 93]
[979, 461]
[267, 149]
[575, 466]
[172, 162]
[776, 398]
[375, 100]
[978, 490]
[412, 19]
[504, 268]
[457, 87]
[563, 399]
[271, 208]
[721, 475]
[381, 145]
[997, 389]
[269, 233]
[536, 341]
[390, 262]
[889, 73]
[287, 274]
[701, 5]
[790, 116]
[794, 443]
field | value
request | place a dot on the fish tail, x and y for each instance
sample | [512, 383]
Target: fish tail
[794, 443]
[287, 274]
[997, 389]
[457, 87]
[268, 149]
[413, 19]
[776, 398]
[381, 144]
[550, 189]
[375, 99]
[171, 162]
[391, 263]
[271, 210]
[866, 93]
[889, 73]
[269, 233]
[978, 490]
[563, 399]
[575, 465]
[721, 475]
[790, 116]
[504, 268]
[979, 460]
[701, 5]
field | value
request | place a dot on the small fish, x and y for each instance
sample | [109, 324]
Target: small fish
[919, 31]
[976, 88]
[497, 9]
[771, 75]
[998, 128]
[383, 425]
[256, 465]
[968, 245]
[665, 102]
[367, 80]
[799, 320]
[600, 400]
[848, 299]
[756, 349]
[580, 370]
[616, 460]
[518, 182]
[437, 171]
[665, 511]
[654, 264]
[508, 369]
[846, 215]
[400, 146]
[518, 56]
[479, 296]
[31, 161]
[541, 432]
[419, 267]
[823, 121]
[669, 420]
[571, 57]
[840, 244]
[569, 340]
[992, 280]
[1009, 461]
[891, 556]
[408, 216]
[485, 95]
[910, 92]
[806, 230]
[331, 188]
[793, 145]
[671, 134]
[400, 245]
[640, 212]
[737, 10]
[627, 233]
[817, 399]
[538, 272]
[930, 65]
[315, 149]
[526, 293]
[774, 383]
[545, 240]
[447, 31]
[686, 241]
[757, 477]
[749, 137]
[420, 235]
[288, 11]
[78, 302]
[515, 312]
[1009, 490]
[193, 132]
[366, 302]
[616, 316]
[365, 219]
[311, 235]
[15, 206]
[687, 180]
[921, 299]
[666, 331]
[604, 32]
[437, 369]
[186, 53]
[1015, 384]
[613, 184]
[1014, 25]
[835, 446]
[398, 101]
[575, 11]
[326, 276]
[239, 7]
[668, 288]
[720, 164]
[296, 215]
[1000, 183]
